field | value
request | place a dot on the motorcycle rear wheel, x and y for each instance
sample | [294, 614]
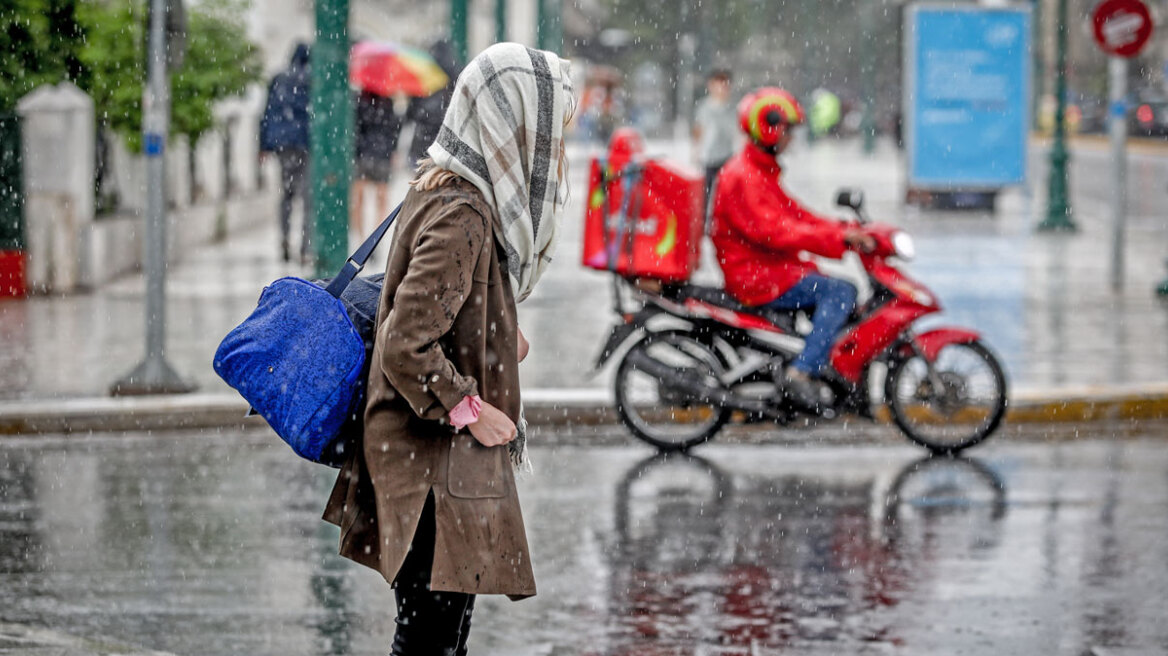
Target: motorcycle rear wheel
[952, 419]
[669, 418]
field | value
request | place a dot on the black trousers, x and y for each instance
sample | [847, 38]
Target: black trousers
[428, 623]
[294, 184]
[711, 178]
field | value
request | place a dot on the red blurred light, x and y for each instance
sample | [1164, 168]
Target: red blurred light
[1144, 114]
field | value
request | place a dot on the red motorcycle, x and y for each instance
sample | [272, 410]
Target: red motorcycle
[701, 357]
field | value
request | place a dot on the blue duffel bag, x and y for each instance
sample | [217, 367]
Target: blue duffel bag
[300, 360]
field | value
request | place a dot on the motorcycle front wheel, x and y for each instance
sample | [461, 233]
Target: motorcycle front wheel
[666, 391]
[958, 408]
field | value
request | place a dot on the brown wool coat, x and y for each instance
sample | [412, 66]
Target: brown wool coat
[446, 328]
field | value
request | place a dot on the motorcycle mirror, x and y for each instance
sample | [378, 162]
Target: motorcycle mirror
[850, 198]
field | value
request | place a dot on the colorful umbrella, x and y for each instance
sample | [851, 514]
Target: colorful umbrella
[387, 68]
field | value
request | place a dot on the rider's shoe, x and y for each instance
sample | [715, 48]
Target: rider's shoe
[802, 390]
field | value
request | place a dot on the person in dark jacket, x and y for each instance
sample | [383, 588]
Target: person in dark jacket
[427, 113]
[284, 131]
[377, 127]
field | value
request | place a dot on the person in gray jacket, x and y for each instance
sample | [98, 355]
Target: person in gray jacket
[715, 128]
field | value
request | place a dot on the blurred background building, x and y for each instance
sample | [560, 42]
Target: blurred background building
[638, 62]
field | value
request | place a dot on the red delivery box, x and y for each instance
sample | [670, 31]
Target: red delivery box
[657, 233]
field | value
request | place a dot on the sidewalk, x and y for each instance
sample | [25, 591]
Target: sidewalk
[1042, 300]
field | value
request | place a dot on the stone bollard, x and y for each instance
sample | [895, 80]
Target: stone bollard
[58, 154]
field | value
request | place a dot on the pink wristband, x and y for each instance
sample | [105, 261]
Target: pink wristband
[466, 412]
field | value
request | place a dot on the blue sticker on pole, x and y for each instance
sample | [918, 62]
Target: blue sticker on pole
[153, 144]
[1118, 109]
[967, 96]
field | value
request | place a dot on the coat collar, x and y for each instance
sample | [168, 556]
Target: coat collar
[760, 159]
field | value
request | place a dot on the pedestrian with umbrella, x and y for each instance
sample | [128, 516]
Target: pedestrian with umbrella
[376, 129]
[382, 71]
[386, 68]
[426, 112]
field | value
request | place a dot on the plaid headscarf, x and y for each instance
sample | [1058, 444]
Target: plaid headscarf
[503, 132]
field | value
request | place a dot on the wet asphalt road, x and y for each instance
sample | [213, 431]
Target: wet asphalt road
[211, 544]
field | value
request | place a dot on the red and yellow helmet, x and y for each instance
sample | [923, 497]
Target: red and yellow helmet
[765, 114]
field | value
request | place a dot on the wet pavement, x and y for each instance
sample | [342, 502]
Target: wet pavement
[1042, 300]
[211, 543]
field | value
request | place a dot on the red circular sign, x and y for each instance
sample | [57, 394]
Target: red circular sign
[1122, 27]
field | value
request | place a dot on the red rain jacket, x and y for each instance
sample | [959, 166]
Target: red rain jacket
[759, 231]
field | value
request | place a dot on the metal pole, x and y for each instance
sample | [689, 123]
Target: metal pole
[685, 86]
[1117, 118]
[458, 32]
[331, 136]
[549, 31]
[705, 42]
[1039, 66]
[154, 375]
[500, 21]
[556, 29]
[683, 91]
[868, 120]
[1058, 208]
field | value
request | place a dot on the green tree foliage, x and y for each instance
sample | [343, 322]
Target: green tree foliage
[100, 46]
[220, 62]
[38, 39]
[115, 54]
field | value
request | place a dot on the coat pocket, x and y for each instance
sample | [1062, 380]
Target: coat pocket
[476, 471]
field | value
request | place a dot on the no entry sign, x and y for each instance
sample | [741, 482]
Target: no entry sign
[1122, 27]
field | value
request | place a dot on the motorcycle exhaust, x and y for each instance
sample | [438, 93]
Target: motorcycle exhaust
[675, 379]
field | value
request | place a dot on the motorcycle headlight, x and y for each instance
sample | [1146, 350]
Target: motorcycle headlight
[902, 242]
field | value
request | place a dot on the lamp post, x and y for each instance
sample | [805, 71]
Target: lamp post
[1058, 205]
[549, 29]
[868, 120]
[154, 375]
[500, 21]
[1039, 65]
[458, 35]
[331, 135]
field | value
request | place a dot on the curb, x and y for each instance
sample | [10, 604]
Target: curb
[1101, 142]
[1088, 404]
[543, 407]
[128, 413]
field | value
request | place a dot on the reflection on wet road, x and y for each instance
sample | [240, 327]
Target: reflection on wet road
[212, 545]
[784, 559]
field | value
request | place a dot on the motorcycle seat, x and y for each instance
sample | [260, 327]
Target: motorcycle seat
[784, 319]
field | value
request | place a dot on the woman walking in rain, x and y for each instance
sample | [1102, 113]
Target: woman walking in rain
[430, 500]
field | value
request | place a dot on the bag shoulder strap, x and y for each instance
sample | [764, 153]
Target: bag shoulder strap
[357, 260]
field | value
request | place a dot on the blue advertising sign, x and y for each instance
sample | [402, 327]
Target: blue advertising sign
[967, 96]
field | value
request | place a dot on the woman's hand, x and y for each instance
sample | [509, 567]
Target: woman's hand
[493, 427]
[524, 346]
